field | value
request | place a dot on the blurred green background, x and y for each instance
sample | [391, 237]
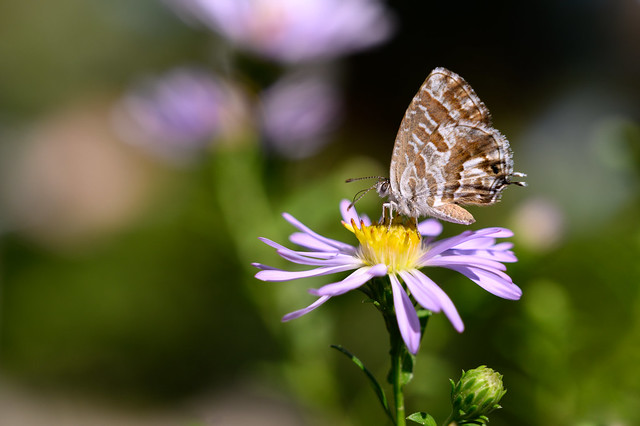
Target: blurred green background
[126, 291]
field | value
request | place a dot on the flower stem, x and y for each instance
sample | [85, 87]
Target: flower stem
[396, 371]
[449, 421]
[401, 371]
[397, 374]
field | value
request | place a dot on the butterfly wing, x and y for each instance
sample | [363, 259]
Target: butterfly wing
[416, 174]
[477, 167]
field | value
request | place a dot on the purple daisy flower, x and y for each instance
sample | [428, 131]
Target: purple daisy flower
[179, 113]
[298, 113]
[400, 252]
[292, 30]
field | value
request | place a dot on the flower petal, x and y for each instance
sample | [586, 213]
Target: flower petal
[279, 275]
[307, 241]
[406, 315]
[351, 213]
[446, 244]
[333, 243]
[336, 259]
[466, 240]
[445, 302]
[506, 256]
[423, 296]
[477, 243]
[500, 285]
[348, 213]
[494, 232]
[301, 312]
[498, 255]
[262, 266]
[430, 228]
[461, 259]
[505, 246]
[311, 258]
[353, 281]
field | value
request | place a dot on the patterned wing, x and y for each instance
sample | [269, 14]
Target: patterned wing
[478, 166]
[443, 98]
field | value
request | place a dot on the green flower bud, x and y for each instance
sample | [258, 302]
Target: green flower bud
[476, 395]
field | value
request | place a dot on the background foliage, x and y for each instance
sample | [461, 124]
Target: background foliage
[127, 294]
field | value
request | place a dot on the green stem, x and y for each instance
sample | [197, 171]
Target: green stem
[401, 361]
[398, 380]
[396, 366]
[449, 421]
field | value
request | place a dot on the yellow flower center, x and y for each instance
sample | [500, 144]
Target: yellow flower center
[398, 246]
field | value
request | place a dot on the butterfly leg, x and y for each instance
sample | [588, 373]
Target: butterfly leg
[390, 206]
[518, 175]
[384, 218]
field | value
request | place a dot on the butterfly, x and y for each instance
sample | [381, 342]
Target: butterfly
[446, 154]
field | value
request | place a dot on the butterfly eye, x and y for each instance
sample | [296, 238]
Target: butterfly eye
[382, 188]
[495, 169]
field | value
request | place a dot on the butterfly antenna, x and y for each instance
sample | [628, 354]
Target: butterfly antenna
[363, 192]
[363, 178]
[359, 195]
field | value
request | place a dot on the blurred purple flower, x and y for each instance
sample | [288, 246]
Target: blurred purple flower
[398, 251]
[181, 112]
[298, 112]
[293, 30]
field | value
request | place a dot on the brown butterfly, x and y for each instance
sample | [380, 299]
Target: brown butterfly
[446, 154]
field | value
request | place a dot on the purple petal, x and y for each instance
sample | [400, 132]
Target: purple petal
[285, 251]
[491, 281]
[500, 274]
[446, 244]
[445, 302]
[353, 281]
[430, 228]
[323, 255]
[460, 259]
[337, 244]
[476, 243]
[421, 293]
[299, 112]
[279, 246]
[301, 312]
[307, 241]
[408, 322]
[497, 255]
[495, 232]
[179, 113]
[349, 214]
[271, 243]
[464, 240]
[505, 246]
[280, 275]
[306, 258]
[336, 259]
[293, 31]
[262, 266]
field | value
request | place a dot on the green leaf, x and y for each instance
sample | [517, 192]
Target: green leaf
[423, 317]
[374, 383]
[422, 418]
[407, 368]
